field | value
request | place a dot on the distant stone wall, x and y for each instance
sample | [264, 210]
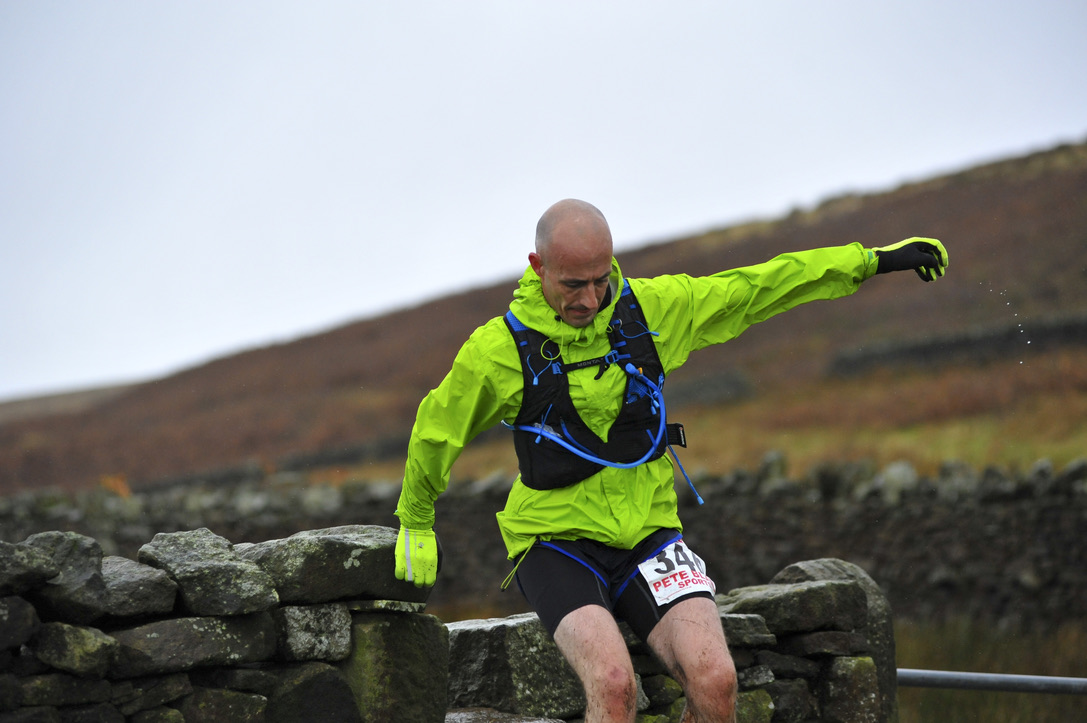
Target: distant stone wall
[314, 627]
[993, 544]
[977, 345]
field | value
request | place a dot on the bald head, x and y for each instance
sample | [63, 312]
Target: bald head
[571, 220]
[573, 259]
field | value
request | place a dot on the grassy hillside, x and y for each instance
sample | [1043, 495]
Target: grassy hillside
[1017, 236]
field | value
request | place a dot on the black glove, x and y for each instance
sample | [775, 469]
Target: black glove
[926, 256]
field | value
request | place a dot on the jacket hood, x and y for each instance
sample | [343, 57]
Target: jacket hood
[530, 307]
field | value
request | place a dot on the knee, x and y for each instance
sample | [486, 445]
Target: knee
[726, 674]
[713, 686]
[617, 689]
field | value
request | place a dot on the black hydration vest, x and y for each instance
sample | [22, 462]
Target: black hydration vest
[546, 402]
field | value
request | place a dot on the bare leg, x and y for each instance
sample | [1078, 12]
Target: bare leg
[690, 642]
[590, 639]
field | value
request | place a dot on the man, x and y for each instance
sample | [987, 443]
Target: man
[592, 523]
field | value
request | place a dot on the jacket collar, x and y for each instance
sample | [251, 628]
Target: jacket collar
[532, 309]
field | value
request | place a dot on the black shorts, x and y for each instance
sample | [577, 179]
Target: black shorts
[560, 576]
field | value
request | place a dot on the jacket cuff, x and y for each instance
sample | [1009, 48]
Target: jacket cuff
[871, 263]
[415, 522]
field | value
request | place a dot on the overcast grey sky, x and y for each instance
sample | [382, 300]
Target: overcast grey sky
[183, 180]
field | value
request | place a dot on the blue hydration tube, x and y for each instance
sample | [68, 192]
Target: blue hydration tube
[658, 402]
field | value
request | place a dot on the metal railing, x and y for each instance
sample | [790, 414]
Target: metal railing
[912, 677]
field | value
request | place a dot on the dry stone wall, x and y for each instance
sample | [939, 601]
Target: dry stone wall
[801, 649]
[991, 543]
[311, 627]
[314, 627]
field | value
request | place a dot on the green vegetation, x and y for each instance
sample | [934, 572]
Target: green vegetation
[1006, 414]
[967, 645]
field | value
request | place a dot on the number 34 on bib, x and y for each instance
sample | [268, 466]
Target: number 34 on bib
[675, 572]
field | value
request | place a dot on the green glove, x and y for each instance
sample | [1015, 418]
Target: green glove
[416, 556]
[926, 256]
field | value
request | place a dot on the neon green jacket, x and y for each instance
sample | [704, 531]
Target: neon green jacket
[618, 507]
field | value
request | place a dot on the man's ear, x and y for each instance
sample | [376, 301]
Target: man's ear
[536, 261]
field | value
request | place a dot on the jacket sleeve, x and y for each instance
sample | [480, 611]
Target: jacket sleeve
[471, 399]
[696, 312]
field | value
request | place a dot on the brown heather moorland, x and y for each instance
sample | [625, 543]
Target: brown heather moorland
[995, 384]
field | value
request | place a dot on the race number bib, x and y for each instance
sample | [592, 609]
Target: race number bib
[676, 572]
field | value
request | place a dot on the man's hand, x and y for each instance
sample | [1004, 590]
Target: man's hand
[416, 557]
[926, 256]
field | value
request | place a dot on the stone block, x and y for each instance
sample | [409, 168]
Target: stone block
[801, 607]
[161, 714]
[93, 713]
[134, 589]
[77, 594]
[211, 578]
[134, 696]
[177, 645]
[661, 690]
[512, 665]
[22, 662]
[23, 568]
[63, 689]
[787, 666]
[262, 681]
[850, 692]
[743, 657]
[11, 695]
[757, 676]
[399, 667]
[489, 715]
[754, 706]
[337, 563]
[793, 701]
[384, 606]
[879, 629]
[75, 649]
[18, 621]
[746, 631]
[217, 705]
[33, 714]
[313, 632]
[313, 692]
[824, 642]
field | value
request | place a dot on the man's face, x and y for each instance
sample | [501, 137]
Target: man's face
[575, 277]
